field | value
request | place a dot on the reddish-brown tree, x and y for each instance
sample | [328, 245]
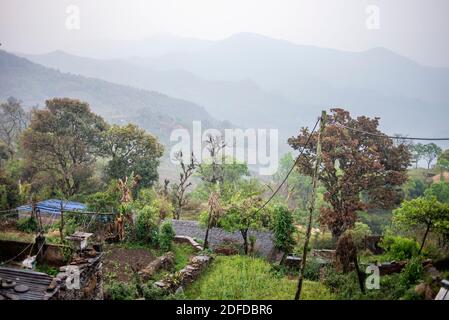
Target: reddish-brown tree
[357, 169]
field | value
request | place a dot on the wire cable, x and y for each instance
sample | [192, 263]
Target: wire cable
[387, 136]
[291, 169]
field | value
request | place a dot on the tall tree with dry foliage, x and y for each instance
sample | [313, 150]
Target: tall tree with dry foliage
[358, 170]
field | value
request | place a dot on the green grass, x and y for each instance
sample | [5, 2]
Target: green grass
[182, 253]
[248, 278]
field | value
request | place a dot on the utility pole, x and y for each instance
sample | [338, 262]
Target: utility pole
[312, 205]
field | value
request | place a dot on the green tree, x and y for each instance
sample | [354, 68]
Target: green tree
[243, 214]
[414, 188]
[439, 190]
[417, 151]
[166, 236]
[131, 149]
[13, 120]
[283, 229]
[427, 213]
[61, 144]
[443, 166]
[228, 173]
[9, 192]
[444, 155]
[353, 164]
[431, 152]
[297, 188]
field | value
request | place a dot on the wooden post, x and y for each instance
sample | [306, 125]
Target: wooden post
[312, 205]
[61, 225]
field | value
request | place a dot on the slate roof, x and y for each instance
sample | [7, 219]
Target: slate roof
[37, 283]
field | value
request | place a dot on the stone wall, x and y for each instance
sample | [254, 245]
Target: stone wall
[174, 282]
[89, 268]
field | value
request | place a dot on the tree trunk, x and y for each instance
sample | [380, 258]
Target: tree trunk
[206, 238]
[61, 227]
[359, 274]
[424, 239]
[245, 240]
[312, 206]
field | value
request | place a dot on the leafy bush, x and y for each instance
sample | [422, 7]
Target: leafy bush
[283, 229]
[346, 287]
[151, 292]
[121, 291]
[358, 233]
[166, 236]
[312, 270]
[399, 248]
[106, 201]
[412, 272]
[145, 226]
[28, 225]
[376, 219]
[323, 240]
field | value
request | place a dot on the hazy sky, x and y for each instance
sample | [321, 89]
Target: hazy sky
[418, 29]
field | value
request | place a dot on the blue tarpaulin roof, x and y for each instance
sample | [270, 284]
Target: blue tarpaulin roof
[53, 206]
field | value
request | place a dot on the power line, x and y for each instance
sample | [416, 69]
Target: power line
[387, 136]
[293, 166]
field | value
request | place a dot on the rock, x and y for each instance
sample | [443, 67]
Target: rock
[11, 296]
[180, 290]
[160, 284]
[53, 284]
[8, 284]
[226, 250]
[424, 290]
[21, 288]
[166, 262]
[432, 272]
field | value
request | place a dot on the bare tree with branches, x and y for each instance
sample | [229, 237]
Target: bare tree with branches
[179, 189]
[214, 176]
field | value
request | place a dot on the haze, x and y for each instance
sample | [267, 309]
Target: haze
[413, 28]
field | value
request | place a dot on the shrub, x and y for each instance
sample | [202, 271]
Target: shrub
[358, 233]
[312, 270]
[28, 225]
[121, 291]
[166, 236]
[283, 229]
[151, 292]
[399, 248]
[145, 226]
[346, 287]
[323, 240]
[412, 272]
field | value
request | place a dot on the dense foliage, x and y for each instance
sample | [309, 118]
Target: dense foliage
[352, 164]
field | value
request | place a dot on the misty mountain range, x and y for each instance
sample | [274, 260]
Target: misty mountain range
[248, 79]
[158, 113]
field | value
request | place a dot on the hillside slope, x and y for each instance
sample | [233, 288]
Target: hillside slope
[158, 113]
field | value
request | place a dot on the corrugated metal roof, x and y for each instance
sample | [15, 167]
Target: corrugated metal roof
[37, 283]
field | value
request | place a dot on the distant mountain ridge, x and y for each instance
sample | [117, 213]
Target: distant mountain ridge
[255, 81]
[156, 112]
